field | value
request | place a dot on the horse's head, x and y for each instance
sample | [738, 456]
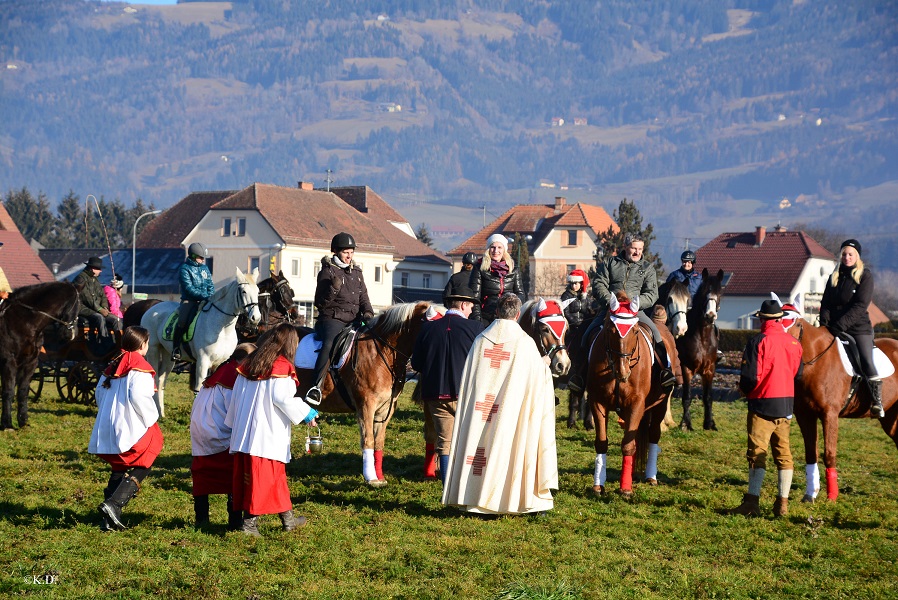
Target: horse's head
[543, 320]
[707, 298]
[247, 295]
[620, 335]
[52, 306]
[282, 296]
[674, 296]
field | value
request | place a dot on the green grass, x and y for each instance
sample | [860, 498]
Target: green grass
[670, 541]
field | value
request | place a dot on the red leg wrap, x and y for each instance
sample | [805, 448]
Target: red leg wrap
[430, 461]
[832, 484]
[379, 463]
[626, 474]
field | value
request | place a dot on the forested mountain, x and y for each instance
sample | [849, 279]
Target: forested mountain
[712, 115]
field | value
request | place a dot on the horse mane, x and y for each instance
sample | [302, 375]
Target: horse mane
[678, 291]
[38, 293]
[393, 319]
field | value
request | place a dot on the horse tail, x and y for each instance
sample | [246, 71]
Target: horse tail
[642, 443]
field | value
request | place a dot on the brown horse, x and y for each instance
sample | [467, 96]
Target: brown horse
[25, 315]
[373, 377]
[275, 304]
[822, 394]
[544, 322]
[698, 347]
[621, 379]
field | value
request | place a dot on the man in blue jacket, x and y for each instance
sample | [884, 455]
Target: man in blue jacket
[686, 273]
[770, 363]
[196, 286]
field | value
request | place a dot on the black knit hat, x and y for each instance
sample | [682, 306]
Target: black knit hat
[853, 243]
[770, 309]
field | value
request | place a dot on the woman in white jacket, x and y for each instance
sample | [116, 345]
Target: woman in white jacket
[126, 433]
[263, 409]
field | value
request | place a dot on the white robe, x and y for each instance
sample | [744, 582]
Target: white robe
[124, 413]
[261, 415]
[208, 432]
[503, 457]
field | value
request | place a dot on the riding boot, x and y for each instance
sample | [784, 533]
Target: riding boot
[201, 510]
[576, 382]
[176, 343]
[249, 526]
[876, 411]
[667, 377]
[112, 507]
[106, 525]
[235, 517]
[291, 522]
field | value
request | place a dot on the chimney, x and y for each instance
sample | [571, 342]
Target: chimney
[760, 234]
[560, 202]
[779, 228]
[305, 185]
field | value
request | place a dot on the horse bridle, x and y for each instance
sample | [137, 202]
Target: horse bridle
[633, 357]
[246, 307]
[825, 350]
[281, 286]
[551, 351]
[70, 325]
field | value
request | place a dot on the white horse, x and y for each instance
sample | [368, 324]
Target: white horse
[215, 334]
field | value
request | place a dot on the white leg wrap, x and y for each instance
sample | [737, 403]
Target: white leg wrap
[599, 475]
[784, 482]
[651, 463]
[812, 478]
[368, 465]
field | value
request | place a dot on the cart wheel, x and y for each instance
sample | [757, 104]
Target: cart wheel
[37, 385]
[59, 374]
[80, 383]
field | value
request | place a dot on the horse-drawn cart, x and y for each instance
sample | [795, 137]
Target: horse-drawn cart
[75, 366]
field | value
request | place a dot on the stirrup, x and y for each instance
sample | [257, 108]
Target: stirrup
[668, 379]
[313, 396]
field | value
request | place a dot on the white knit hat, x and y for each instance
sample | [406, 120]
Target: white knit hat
[497, 237]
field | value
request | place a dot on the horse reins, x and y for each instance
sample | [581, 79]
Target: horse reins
[246, 307]
[67, 324]
[825, 350]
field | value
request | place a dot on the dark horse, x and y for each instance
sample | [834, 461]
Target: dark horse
[823, 394]
[26, 314]
[621, 379]
[698, 347]
[373, 377]
[276, 305]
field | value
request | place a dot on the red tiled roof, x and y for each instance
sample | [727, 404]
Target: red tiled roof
[19, 261]
[170, 228]
[368, 202]
[774, 266]
[308, 217]
[537, 220]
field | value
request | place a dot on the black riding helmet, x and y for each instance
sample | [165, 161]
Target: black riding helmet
[689, 255]
[469, 258]
[341, 241]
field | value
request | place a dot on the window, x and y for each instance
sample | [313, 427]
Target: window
[241, 227]
[571, 237]
[253, 263]
[294, 267]
[316, 269]
[306, 313]
[813, 285]
[426, 281]
[571, 268]
[378, 278]
[403, 279]
[210, 263]
[226, 227]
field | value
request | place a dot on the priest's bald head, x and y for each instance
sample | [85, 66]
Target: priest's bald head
[509, 307]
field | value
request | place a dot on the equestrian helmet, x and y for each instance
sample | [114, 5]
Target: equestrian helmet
[689, 255]
[469, 258]
[197, 249]
[342, 241]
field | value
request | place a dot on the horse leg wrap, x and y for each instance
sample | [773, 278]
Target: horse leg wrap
[832, 484]
[812, 481]
[626, 474]
[599, 474]
[430, 461]
[368, 464]
[379, 464]
[784, 482]
[651, 462]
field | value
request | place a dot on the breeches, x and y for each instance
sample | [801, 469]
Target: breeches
[600, 319]
[327, 331]
[186, 312]
[763, 433]
[865, 349]
[443, 420]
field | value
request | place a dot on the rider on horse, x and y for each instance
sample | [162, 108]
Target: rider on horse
[196, 286]
[687, 275]
[579, 309]
[460, 279]
[340, 297]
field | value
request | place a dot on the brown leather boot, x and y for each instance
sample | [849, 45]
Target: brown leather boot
[780, 507]
[749, 507]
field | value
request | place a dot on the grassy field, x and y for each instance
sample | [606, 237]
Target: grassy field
[399, 542]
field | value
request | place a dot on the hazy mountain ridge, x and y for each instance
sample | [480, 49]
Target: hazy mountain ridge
[709, 114]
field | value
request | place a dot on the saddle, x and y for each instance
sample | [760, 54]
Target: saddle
[310, 346]
[851, 358]
[168, 333]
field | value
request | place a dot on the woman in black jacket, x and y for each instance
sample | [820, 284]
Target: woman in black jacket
[494, 276]
[847, 296]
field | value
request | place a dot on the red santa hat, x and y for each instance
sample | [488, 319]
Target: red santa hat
[578, 275]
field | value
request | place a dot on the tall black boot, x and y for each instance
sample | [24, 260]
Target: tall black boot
[235, 517]
[668, 379]
[176, 343]
[114, 480]
[876, 411]
[112, 508]
[201, 510]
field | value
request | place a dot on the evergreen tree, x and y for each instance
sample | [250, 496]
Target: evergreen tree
[423, 235]
[629, 221]
[31, 215]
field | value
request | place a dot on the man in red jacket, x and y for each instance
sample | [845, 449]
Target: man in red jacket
[770, 363]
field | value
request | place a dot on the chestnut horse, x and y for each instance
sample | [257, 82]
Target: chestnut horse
[698, 347]
[822, 394]
[275, 305]
[23, 318]
[621, 379]
[544, 322]
[373, 375]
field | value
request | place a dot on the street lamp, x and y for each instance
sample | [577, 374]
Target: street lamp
[134, 248]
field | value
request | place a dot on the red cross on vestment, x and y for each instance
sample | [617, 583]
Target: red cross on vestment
[478, 461]
[496, 356]
[488, 407]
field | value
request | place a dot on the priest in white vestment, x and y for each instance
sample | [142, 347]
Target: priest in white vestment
[503, 458]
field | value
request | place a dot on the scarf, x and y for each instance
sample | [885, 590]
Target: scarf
[499, 267]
